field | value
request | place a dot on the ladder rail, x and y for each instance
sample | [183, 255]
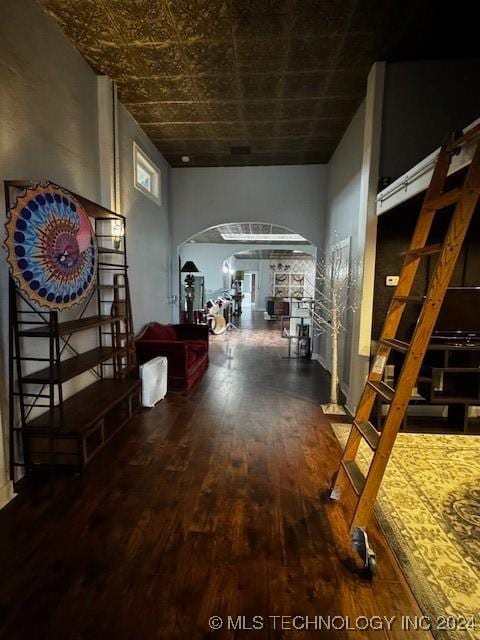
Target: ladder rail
[466, 199]
[396, 308]
[426, 323]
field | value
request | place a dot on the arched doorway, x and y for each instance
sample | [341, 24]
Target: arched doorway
[252, 248]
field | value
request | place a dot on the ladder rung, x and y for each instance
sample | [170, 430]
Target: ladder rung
[413, 299]
[444, 199]
[356, 477]
[398, 345]
[369, 433]
[424, 251]
[382, 389]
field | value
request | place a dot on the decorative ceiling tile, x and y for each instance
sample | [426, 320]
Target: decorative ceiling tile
[259, 7]
[294, 127]
[321, 143]
[298, 109]
[112, 60]
[200, 19]
[348, 81]
[175, 131]
[284, 143]
[305, 85]
[249, 27]
[283, 77]
[140, 21]
[216, 145]
[330, 126]
[196, 160]
[260, 55]
[227, 129]
[156, 59]
[161, 112]
[258, 110]
[338, 107]
[206, 56]
[211, 87]
[318, 157]
[74, 18]
[261, 85]
[219, 111]
[261, 129]
[214, 234]
[322, 17]
[176, 88]
[312, 53]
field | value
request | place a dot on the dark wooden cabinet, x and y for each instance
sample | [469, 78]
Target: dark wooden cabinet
[449, 379]
[450, 376]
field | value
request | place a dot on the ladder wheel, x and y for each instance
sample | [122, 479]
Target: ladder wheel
[361, 545]
[371, 565]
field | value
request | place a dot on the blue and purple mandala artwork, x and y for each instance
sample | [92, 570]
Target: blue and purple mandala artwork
[51, 247]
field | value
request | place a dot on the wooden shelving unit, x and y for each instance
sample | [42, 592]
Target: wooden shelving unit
[450, 377]
[46, 429]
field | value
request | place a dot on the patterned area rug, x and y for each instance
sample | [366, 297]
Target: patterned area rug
[429, 509]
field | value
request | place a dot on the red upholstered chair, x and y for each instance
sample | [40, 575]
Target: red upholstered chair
[184, 345]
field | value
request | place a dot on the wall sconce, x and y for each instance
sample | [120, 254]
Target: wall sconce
[225, 268]
[118, 232]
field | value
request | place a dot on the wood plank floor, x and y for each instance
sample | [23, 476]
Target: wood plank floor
[213, 503]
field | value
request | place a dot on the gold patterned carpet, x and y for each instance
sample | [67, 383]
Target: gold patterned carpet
[429, 509]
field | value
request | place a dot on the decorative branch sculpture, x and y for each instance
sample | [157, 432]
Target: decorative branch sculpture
[336, 297]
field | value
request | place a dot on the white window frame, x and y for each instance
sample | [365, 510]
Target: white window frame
[141, 159]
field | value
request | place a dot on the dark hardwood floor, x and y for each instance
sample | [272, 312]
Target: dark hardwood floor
[213, 503]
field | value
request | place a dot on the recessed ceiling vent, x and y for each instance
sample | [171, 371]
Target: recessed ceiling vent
[240, 151]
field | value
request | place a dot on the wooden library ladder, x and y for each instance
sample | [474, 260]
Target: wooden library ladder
[465, 199]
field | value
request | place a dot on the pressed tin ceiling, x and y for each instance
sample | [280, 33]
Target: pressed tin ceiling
[280, 78]
[244, 229]
[274, 254]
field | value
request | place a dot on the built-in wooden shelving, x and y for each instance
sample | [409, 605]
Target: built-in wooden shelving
[46, 428]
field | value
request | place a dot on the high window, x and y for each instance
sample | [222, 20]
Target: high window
[146, 175]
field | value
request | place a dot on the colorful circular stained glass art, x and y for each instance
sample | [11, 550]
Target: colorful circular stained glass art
[51, 247]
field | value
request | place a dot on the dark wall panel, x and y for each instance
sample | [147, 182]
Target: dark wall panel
[395, 229]
[422, 102]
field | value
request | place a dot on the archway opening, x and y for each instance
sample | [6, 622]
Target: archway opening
[256, 260]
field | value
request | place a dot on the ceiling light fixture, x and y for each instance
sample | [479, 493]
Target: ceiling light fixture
[263, 237]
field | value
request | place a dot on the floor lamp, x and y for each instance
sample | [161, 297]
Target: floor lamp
[189, 268]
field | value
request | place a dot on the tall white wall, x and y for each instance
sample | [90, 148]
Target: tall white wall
[148, 237]
[352, 181]
[289, 196]
[49, 114]
[48, 111]
[343, 207]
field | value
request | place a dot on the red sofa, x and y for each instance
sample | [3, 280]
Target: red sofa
[184, 345]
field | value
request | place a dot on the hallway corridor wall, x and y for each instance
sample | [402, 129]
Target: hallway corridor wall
[49, 110]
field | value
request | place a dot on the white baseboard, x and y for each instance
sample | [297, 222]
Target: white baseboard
[6, 494]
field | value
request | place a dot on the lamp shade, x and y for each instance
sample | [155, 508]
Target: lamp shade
[189, 267]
